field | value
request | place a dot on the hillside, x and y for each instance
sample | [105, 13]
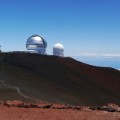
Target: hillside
[35, 78]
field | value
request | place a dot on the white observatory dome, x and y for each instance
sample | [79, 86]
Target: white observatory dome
[36, 43]
[58, 50]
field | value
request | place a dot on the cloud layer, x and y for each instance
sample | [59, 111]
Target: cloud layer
[101, 55]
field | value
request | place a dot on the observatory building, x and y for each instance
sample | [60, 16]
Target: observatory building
[36, 44]
[58, 50]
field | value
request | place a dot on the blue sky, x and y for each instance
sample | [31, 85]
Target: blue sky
[90, 27]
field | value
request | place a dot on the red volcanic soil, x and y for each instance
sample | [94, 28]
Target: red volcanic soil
[14, 113]
[9, 111]
[36, 78]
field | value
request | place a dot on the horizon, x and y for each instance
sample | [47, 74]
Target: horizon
[100, 61]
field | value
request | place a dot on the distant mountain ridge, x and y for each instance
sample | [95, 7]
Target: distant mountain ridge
[55, 79]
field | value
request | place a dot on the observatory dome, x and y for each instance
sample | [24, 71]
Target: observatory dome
[58, 50]
[36, 43]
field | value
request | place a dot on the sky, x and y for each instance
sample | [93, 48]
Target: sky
[84, 27]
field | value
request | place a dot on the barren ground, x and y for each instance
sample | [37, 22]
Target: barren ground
[17, 110]
[15, 113]
[61, 82]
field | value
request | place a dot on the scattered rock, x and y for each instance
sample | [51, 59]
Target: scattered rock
[108, 108]
[44, 106]
[14, 103]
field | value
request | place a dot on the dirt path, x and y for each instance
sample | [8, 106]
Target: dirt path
[18, 90]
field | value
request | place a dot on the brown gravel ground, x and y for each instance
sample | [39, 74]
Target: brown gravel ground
[15, 113]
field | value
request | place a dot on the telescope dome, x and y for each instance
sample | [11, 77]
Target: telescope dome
[58, 50]
[36, 43]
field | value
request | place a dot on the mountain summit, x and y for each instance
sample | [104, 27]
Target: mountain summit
[33, 78]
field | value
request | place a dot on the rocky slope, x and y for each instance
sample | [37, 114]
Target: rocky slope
[37, 78]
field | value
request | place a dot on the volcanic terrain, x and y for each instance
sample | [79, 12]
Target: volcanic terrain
[37, 78]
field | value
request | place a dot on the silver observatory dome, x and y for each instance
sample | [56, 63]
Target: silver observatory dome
[58, 50]
[36, 44]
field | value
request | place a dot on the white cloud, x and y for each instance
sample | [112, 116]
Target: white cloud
[103, 55]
